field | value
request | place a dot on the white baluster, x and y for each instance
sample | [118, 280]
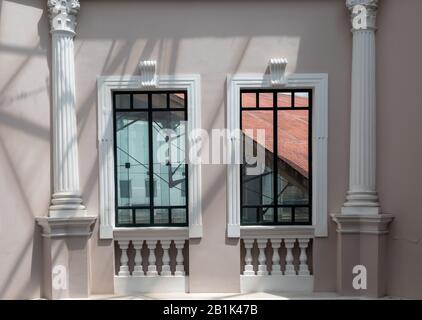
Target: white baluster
[180, 268]
[303, 267]
[137, 269]
[276, 268]
[262, 266]
[290, 268]
[165, 269]
[248, 257]
[152, 267]
[124, 268]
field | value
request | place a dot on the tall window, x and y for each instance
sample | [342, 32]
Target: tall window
[150, 167]
[280, 193]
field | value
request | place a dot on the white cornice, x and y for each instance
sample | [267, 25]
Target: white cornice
[66, 227]
[362, 223]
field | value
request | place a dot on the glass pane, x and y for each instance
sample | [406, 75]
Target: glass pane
[248, 100]
[161, 216]
[142, 216]
[169, 133]
[267, 215]
[284, 215]
[302, 99]
[266, 100]
[122, 101]
[302, 215]
[177, 100]
[159, 100]
[284, 99]
[249, 215]
[124, 216]
[293, 157]
[140, 101]
[257, 171]
[178, 215]
[132, 158]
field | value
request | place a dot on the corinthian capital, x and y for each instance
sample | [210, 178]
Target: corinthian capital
[363, 14]
[63, 14]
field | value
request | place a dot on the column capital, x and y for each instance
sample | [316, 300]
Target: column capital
[62, 15]
[363, 14]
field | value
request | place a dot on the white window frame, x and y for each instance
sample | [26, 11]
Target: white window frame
[105, 87]
[319, 84]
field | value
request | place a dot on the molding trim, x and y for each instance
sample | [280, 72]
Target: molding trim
[105, 86]
[362, 224]
[319, 84]
[66, 227]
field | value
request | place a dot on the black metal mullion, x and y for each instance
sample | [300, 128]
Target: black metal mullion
[275, 154]
[150, 159]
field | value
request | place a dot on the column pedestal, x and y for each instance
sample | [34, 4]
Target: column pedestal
[361, 228]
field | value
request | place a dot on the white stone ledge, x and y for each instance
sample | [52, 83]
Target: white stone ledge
[158, 284]
[276, 283]
[266, 232]
[151, 233]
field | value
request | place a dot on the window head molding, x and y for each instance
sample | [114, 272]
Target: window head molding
[105, 86]
[319, 84]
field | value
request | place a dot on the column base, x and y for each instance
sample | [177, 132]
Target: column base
[66, 256]
[361, 203]
[362, 241]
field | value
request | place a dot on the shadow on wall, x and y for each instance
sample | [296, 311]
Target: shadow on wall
[120, 38]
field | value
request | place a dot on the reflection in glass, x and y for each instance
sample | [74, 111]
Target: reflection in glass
[124, 216]
[177, 100]
[178, 215]
[140, 101]
[122, 101]
[293, 157]
[132, 158]
[301, 99]
[168, 136]
[258, 186]
[249, 100]
[159, 100]
[284, 99]
[266, 100]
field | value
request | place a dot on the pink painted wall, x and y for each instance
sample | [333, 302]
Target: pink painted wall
[212, 38]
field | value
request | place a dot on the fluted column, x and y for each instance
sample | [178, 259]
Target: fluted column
[362, 196]
[66, 200]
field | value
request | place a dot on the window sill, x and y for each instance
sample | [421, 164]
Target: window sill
[151, 233]
[263, 232]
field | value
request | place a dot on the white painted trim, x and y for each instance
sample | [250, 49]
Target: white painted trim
[319, 84]
[105, 86]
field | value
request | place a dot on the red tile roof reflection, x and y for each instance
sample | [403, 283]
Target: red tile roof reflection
[292, 128]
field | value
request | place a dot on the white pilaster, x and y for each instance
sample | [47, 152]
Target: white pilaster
[66, 200]
[362, 196]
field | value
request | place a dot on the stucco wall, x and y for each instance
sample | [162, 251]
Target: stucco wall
[212, 38]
